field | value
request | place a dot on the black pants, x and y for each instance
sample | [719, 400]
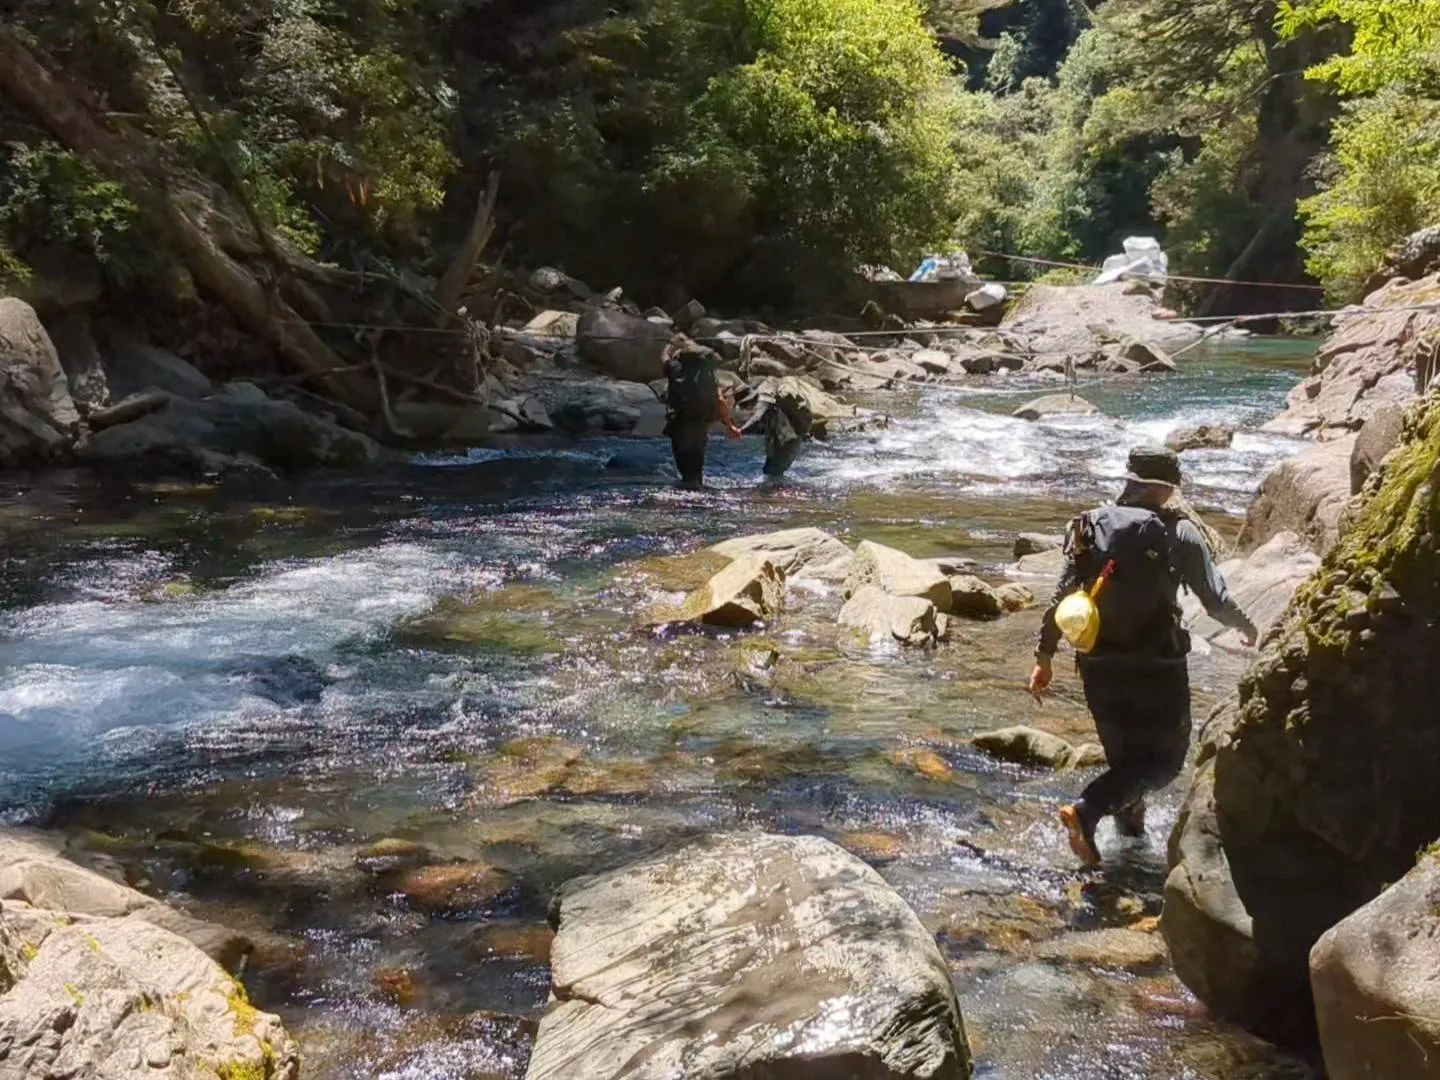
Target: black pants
[687, 440]
[1142, 712]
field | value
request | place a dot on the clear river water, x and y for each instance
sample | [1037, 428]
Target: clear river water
[229, 694]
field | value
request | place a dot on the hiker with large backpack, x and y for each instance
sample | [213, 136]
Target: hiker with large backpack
[693, 402]
[1116, 602]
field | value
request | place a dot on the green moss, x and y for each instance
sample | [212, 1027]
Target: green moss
[29, 952]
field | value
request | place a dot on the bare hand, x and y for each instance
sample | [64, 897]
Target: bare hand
[1040, 677]
[733, 431]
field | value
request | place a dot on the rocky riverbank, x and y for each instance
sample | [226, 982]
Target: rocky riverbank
[1314, 787]
[582, 364]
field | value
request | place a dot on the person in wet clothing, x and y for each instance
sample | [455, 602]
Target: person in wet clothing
[1135, 677]
[693, 402]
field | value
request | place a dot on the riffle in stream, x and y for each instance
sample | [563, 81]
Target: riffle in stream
[237, 699]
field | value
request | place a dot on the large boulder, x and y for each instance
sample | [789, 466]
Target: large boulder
[1415, 257]
[1368, 363]
[1056, 405]
[1262, 583]
[38, 420]
[898, 574]
[133, 367]
[623, 346]
[744, 957]
[1306, 494]
[748, 591]
[1379, 435]
[1377, 1001]
[94, 998]
[439, 423]
[800, 553]
[239, 427]
[1075, 318]
[973, 598]
[1315, 785]
[910, 620]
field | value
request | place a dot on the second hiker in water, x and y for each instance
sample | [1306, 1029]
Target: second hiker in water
[1132, 558]
[693, 402]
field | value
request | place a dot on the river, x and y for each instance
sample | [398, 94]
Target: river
[230, 692]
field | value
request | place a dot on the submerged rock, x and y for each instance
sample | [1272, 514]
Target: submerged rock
[1115, 948]
[38, 420]
[1038, 749]
[911, 620]
[746, 956]
[1305, 495]
[800, 553]
[1200, 437]
[1056, 405]
[899, 575]
[1377, 1002]
[748, 591]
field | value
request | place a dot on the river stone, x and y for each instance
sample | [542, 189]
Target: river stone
[1305, 494]
[1116, 948]
[911, 620]
[898, 574]
[749, 590]
[1035, 543]
[439, 423]
[974, 599]
[1026, 746]
[1200, 437]
[800, 553]
[1378, 437]
[553, 324]
[1015, 597]
[743, 957]
[1147, 358]
[38, 420]
[1056, 405]
[135, 366]
[623, 346]
[98, 998]
[1043, 564]
[1377, 1001]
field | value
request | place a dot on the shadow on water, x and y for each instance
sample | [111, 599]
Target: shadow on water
[376, 721]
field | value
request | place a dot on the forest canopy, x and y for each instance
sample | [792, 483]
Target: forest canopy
[737, 148]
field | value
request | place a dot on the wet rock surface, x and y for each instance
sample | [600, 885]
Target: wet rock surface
[898, 574]
[746, 955]
[1056, 405]
[910, 620]
[799, 553]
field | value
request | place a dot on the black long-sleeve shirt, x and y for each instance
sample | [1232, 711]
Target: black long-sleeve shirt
[1194, 568]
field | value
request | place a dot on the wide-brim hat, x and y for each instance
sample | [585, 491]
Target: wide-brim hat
[1153, 465]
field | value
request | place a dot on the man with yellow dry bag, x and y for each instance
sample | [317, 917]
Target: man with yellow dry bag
[1116, 605]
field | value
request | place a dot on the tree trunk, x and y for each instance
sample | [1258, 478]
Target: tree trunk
[182, 214]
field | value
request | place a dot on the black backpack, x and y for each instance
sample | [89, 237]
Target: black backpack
[1131, 547]
[693, 390]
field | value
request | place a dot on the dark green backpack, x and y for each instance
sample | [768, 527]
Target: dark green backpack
[693, 392]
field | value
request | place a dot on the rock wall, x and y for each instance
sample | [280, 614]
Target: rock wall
[1315, 785]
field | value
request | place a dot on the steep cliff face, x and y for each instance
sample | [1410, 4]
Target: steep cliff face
[1317, 782]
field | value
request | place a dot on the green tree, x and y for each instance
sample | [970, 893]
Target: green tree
[1382, 179]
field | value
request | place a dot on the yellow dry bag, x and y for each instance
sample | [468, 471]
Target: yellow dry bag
[1079, 618]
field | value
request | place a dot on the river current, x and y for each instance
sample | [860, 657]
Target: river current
[231, 693]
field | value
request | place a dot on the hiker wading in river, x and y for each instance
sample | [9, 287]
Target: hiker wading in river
[1136, 683]
[693, 402]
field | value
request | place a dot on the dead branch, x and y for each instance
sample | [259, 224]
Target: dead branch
[457, 275]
